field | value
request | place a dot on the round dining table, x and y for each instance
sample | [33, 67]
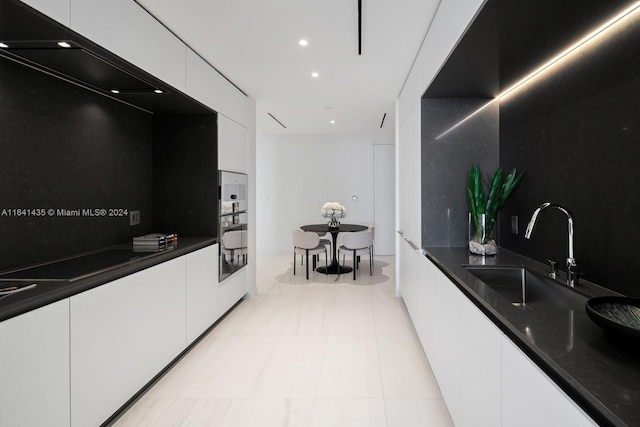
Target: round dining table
[334, 267]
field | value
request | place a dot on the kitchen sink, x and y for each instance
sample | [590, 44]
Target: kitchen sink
[525, 288]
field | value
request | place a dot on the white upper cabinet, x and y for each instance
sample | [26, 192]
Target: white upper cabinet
[203, 83]
[234, 103]
[56, 9]
[208, 86]
[233, 146]
[126, 29]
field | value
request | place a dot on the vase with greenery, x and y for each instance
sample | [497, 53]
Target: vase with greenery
[484, 206]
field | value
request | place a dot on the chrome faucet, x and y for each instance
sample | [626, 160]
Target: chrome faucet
[572, 273]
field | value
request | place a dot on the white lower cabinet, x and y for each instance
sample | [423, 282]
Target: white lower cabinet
[409, 272]
[231, 290]
[34, 379]
[530, 398]
[448, 349]
[463, 347]
[480, 368]
[485, 379]
[202, 291]
[430, 278]
[122, 334]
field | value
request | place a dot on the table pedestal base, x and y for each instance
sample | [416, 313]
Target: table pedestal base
[334, 268]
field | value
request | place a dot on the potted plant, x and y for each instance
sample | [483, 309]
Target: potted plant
[484, 206]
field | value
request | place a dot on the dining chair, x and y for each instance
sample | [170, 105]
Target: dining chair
[307, 243]
[325, 242]
[373, 237]
[357, 244]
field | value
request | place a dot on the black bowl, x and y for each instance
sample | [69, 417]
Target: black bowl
[619, 315]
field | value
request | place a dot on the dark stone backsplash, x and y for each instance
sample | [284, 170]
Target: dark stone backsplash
[64, 147]
[577, 133]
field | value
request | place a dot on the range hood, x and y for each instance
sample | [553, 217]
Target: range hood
[34, 40]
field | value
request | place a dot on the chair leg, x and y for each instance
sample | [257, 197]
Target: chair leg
[370, 262]
[307, 264]
[355, 265]
[294, 261]
[326, 261]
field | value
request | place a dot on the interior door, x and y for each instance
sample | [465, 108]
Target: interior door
[384, 198]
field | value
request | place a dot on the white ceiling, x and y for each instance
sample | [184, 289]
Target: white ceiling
[254, 43]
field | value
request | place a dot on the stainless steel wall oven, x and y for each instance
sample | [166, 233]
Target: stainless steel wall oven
[232, 201]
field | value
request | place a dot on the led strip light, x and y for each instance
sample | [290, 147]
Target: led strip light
[602, 29]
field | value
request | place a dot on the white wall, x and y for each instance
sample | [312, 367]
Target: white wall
[449, 25]
[296, 174]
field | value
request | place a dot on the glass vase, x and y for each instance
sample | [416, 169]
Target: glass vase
[479, 242]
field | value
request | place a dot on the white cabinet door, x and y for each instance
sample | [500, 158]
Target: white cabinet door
[34, 379]
[232, 289]
[430, 282]
[232, 146]
[448, 349]
[530, 398]
[464, 349]
[202, 291]
[122, 334]
[409, 278]
[480, 369]
[56, 9]
[126, 29]
[234, 103]
[207, 85]
[203, 83]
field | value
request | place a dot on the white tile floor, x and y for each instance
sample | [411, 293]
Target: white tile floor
[317, 353]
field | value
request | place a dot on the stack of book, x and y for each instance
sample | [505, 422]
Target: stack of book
[154, 242]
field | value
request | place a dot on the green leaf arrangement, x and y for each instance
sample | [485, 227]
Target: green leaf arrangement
[489, 203]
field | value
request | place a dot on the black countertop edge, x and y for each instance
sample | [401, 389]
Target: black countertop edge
[55, 290]
[572, 386]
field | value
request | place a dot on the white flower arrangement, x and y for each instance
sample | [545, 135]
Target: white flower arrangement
[333, 210]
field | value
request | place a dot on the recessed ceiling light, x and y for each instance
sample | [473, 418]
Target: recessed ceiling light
[64, 44]
[314, 75]
[115, 91]
[158, 91]
[332, 121]
[303, 42]
[4, 45]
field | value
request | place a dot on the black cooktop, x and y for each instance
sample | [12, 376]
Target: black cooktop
[79, 267]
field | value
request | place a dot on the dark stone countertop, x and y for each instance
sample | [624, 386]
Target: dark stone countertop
[599, 372]
[69, 276]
